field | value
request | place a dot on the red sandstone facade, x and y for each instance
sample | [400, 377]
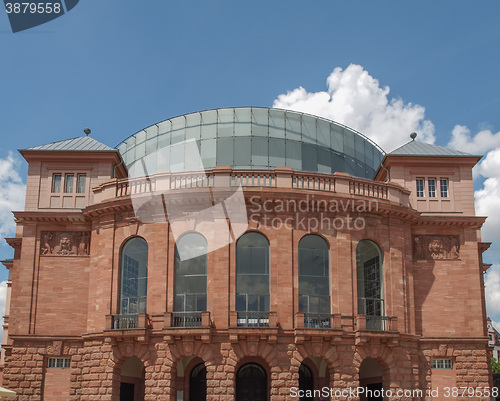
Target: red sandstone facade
[65, 286]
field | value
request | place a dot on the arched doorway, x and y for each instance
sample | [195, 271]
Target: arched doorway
[132, 380]
[251, 383]
[306, 383]
[370, 378]
[198, 383]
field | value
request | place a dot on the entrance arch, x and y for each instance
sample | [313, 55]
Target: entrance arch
[306, 382]
[370, 377]
[198, 383]
[251, 383]
[132, 380]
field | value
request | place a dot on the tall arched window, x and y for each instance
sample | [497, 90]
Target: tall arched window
[252, 280]
[370, 284]
[314, 281]
[134, 277]
[251, 383]
[190, 279]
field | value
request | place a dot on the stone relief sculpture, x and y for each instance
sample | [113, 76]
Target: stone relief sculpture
[436, 247]
[65, 243]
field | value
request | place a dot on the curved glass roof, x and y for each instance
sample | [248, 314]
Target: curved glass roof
[253, 138]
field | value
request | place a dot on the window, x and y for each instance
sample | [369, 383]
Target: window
[432, 187]
[370, 283]
[63, 363]
[441, 364]
[314, 277]
[191, 273]
[420, 187]
[56, 183]
[443, 185]
[68, 183]
[134, 277]
[80, 183]
[252, 276]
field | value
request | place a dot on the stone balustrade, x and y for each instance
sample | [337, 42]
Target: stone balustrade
[227, 178]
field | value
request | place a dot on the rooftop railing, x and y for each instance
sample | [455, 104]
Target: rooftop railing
[226, 178]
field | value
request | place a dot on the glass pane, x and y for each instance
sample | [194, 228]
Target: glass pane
[348, 143]
[259, 122]
[293, 154]
[242, 152]
[309, 161]
[208, 149]
[309, 129]
[193, 126]
[56, 183]
[209, 124]
[225, 152]
[134, 273]
[276, 153]
[350, 165]
[359, 144]
[276, 124]
[178, 133]
[293, 129]
[242, 123]
[337, 138]
[80, 184]
[338, 162]
[323, 133]
[260, 152]
[225, 123]
[69, 180]
[324, 162]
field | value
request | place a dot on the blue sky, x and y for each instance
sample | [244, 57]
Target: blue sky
[118, 67]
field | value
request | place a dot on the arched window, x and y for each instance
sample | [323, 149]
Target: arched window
[198, 383]
[314, 281]
[190, 279]
[306, 383]
[370, 284]
[134, 277]
[252, 280]
[251, 383]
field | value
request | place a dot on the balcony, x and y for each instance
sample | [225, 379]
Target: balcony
[187, 319]
[253, 319]
[134, 324]
[318, 321]
[224, 178]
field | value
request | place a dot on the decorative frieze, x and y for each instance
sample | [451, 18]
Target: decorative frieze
[66, 243]
[436, 247]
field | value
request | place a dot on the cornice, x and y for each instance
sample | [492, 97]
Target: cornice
[451, 220]
[49, 217]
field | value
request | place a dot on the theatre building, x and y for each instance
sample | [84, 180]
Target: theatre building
[246, 254]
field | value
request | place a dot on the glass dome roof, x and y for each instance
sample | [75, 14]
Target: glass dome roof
[254, 138]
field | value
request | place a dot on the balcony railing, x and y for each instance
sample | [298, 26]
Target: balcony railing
[222, 177]
[121, 322]
[318, 321]
[378, 322]
[186, 319]
[253, 319]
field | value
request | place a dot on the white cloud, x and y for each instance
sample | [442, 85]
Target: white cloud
[492, 284]
[12, 193]
[356, 99]
[481, 143]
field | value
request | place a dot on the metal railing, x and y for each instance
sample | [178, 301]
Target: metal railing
[253, 319]
[186, 319]
[318, 320]
[121, 322]
[378, 322]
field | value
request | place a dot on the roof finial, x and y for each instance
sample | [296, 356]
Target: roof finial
[413, 135]
[87, 131]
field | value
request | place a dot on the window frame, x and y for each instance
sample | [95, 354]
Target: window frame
[441, 364]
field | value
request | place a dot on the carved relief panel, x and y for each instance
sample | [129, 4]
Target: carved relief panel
[436, 247]
[65, 243]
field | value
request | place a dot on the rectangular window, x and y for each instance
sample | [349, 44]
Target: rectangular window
[61, 363]
[56, 183]
[80, 183]
[441, 364]
[420, 188]
[432, 187]
[69, 183]
[443, 185]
